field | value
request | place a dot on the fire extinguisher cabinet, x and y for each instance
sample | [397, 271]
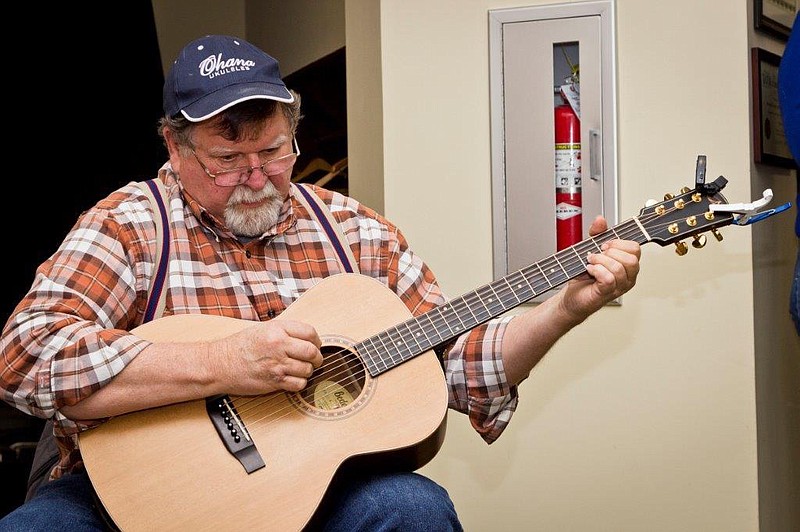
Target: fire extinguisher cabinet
[553, 116]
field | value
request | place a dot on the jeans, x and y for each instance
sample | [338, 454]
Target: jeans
[395, 501]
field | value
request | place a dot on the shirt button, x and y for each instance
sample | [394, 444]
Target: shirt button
[271, 313]
[247, 254]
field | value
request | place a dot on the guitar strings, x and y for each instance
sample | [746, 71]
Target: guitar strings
[340, 371]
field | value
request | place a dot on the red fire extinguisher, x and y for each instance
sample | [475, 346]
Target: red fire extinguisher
[569, 218]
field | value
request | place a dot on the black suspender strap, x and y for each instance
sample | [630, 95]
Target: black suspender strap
[316, 207]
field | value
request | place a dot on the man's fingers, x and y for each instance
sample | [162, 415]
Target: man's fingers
[301, 330]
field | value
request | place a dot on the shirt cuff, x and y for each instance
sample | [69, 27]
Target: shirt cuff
[478, 385]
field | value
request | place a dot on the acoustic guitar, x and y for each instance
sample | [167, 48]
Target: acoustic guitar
[379, 399]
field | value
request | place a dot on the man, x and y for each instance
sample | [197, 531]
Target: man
[789, 98]
[243, 246]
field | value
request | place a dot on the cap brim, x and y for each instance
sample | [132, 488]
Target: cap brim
[218, 101]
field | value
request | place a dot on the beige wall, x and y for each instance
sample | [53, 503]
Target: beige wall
[181, 21]
[295, 33]
[645, 417]
[677, 410]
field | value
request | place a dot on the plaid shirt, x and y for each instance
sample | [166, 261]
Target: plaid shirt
[69, 335]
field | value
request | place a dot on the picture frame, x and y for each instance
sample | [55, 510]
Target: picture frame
[769, 139]
[775, 17]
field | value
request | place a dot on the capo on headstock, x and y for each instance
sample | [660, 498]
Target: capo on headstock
[747, 212]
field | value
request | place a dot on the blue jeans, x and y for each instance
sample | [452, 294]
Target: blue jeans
[396, 501]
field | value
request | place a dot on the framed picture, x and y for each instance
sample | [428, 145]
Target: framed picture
[775, 17]
[769, 138]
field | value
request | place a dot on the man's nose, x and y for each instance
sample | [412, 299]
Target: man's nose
[256, 179]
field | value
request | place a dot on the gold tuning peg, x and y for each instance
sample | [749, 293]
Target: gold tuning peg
[681, 248]
[668, 196]
[684, 190]
[717, 234]
[698, 241]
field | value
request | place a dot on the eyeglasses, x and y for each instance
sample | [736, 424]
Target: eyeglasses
[240, 174]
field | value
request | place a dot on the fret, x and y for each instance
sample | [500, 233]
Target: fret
[450, 308]
[553, 274]
[363, 348]
[413, 335]
[383, 349]
[544, 276]
[474, 319]
[442, 320]
[635, 231]
[581, 260]
[520, 290]
[435, 329]
[539, 283]
[512, 292]
[398, 345]
[497, 305]
[525, 278]
[584, 248]
[487, 314]
[555, 257]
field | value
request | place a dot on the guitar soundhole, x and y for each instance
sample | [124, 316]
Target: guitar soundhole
[335, 387]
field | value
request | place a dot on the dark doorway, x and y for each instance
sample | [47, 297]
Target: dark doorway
[322, 133]
[85, 88]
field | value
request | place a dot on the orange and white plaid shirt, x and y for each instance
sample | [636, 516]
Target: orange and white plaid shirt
[69, 335]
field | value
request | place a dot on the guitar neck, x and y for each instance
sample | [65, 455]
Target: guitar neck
[440, 325]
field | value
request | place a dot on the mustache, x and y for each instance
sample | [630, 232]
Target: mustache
[245, 194]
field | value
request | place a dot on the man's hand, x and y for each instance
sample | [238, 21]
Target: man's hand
[269, 356]
[609, 275]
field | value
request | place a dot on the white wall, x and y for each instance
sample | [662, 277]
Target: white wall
[645, 417]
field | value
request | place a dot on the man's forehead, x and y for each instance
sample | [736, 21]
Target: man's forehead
[275, 129]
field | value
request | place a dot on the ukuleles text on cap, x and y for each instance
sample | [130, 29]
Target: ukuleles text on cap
[215, 72]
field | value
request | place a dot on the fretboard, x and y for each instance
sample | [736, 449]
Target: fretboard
[415, 336]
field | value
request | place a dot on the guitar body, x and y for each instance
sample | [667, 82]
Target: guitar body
[167, 468]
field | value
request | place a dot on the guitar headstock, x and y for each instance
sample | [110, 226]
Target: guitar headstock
[686, 215]
[697, 210]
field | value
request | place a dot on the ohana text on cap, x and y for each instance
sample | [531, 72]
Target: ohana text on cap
[217, 71]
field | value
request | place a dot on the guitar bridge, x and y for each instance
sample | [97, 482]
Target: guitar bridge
[232, 431]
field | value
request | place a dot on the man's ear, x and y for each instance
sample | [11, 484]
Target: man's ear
[174, 151]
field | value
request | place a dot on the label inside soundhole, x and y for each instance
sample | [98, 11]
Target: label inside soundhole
[330, 395]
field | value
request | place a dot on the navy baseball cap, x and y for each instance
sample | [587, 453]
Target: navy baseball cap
[217, 71]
